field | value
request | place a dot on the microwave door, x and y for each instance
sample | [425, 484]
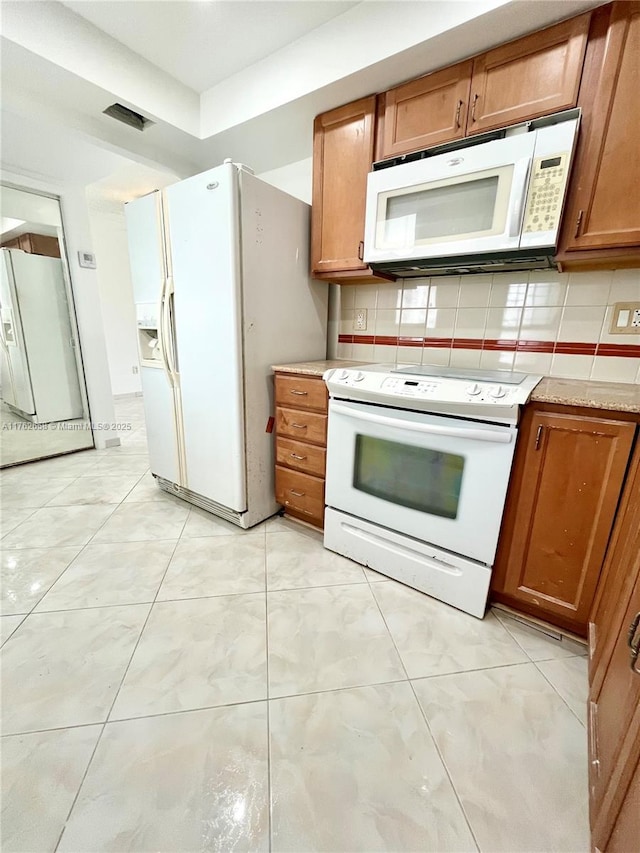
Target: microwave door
[432, 210]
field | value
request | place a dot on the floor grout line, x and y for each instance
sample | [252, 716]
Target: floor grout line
[548, 680]
[117, 693]
[426, 721]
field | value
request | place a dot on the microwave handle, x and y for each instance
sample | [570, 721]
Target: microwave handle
[494, 435]
[520, 191]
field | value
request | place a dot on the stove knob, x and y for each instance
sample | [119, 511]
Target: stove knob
[343, 374]
[358, 376]
[474, 389]
[497, 392]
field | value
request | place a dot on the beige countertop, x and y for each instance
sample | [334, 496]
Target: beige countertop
[315, 368]
[616, 396]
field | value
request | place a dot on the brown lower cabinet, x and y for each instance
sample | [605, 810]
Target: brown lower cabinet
[301, 442]
[614, 684]
[568, 474]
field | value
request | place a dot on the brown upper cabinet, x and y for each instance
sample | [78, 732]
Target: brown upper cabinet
[602, 218]
[427, 111]
[590, 61]
[568, 474]
[343, 141]
[530, 77]
[35, 244]
[533, 76]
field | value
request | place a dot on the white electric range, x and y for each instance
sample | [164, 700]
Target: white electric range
[418, 464]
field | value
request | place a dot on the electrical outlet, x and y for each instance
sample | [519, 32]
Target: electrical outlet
[134, 369]
[625, 318]
[360, 320]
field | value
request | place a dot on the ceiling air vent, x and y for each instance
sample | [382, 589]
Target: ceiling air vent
[127, 116]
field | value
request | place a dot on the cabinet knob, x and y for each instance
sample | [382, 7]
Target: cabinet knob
[296, 494]
[361, 250]
[298, 393]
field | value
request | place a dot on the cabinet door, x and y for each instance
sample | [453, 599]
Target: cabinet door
[614, 706]
[343, 142]
[41, 244]
[427, 111]
[560, 512]
[530, 77]
[614, 723]
[604, 205]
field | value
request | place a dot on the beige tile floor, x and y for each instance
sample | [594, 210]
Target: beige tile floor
[172, 683]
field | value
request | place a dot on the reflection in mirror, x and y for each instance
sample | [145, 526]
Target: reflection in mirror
[43, 409]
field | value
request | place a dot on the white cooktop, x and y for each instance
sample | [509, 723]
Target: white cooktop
[479, 394]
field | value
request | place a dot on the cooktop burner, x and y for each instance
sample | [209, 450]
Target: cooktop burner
[505, 377]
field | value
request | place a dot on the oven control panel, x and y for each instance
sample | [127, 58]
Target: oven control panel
[435, 389]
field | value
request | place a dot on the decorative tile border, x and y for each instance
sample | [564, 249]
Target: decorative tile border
[502, 345]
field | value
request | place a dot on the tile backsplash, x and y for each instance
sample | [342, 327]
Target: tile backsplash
[556, 324]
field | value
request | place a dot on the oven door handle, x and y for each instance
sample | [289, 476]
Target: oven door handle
[493, 435]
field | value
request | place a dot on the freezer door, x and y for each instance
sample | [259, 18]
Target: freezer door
[146, 250]
[147, 257]
[16, 381]
[203, 218]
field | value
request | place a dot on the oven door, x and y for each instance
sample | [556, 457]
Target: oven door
[464, 202]
[441, 480]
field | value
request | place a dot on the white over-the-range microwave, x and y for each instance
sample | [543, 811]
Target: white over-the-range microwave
[487, 203]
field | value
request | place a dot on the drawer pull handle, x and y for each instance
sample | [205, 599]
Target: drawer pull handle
[296, 494]
[298, 393]
[538, 437]
[458, 109]
[473, 111]
[634, 646]
[295, 456]
[299, 426]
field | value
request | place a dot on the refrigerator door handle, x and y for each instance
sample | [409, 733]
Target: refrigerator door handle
[162, 336]
[169, 328]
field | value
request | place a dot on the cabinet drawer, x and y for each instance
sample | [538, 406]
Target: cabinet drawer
[301, 392]
[300, 493]
[301, 456]
[304, 426]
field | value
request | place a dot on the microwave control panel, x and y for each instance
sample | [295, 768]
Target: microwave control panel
[546, 193]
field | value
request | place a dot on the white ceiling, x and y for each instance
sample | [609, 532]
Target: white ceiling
[202, 43]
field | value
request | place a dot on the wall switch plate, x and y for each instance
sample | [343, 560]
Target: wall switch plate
[360, 320]
[625, 319]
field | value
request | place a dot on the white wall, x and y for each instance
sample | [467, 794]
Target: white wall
[294, 178]
[109, 236]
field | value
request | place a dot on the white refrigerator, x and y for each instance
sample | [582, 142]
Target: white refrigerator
[39, 371]
[220, 271]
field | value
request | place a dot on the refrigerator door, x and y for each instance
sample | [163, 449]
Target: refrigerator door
[48, 337]
[203, 214]
[149, 277]
[16, 381]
